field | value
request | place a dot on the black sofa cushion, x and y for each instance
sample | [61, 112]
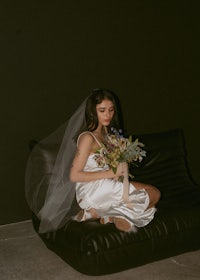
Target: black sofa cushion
[96, 249]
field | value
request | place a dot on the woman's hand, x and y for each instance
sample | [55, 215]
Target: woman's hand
[122, 171]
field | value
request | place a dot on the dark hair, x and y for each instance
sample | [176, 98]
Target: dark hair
[97, 96]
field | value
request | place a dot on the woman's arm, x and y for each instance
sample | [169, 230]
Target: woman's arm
[85, 147]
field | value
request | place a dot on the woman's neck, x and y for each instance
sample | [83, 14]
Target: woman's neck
[100, 133]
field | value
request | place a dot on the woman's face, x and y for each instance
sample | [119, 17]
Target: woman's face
[105, 112]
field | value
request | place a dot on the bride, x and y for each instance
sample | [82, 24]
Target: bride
[98, 191]
[74, 176]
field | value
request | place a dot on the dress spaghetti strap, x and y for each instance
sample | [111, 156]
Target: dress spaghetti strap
[92, 136]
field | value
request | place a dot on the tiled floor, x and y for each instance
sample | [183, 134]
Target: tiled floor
[23, 256]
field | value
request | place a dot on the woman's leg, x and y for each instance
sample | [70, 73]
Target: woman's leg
[153, 192]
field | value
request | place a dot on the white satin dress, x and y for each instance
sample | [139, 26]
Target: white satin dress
[105, 195]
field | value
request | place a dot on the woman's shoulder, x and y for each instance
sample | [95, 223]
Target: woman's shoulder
[85, 136]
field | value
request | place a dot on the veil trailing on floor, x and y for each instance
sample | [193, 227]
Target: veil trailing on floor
[49, 192]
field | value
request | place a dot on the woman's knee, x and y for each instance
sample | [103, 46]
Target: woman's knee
[155, 194]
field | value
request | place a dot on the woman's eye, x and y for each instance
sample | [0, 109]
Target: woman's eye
[102, 110]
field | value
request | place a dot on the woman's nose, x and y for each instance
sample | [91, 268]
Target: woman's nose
[107, 114]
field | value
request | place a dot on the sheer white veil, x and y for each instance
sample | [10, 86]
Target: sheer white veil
[49, 192]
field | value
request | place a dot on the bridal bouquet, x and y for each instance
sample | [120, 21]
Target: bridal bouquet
[117, 148]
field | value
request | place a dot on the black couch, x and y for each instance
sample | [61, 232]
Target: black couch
[96, 249]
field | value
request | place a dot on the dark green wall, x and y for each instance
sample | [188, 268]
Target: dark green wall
[53, 55]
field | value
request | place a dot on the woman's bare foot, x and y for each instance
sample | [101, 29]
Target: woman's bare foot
[122, 224]
[93, 213]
